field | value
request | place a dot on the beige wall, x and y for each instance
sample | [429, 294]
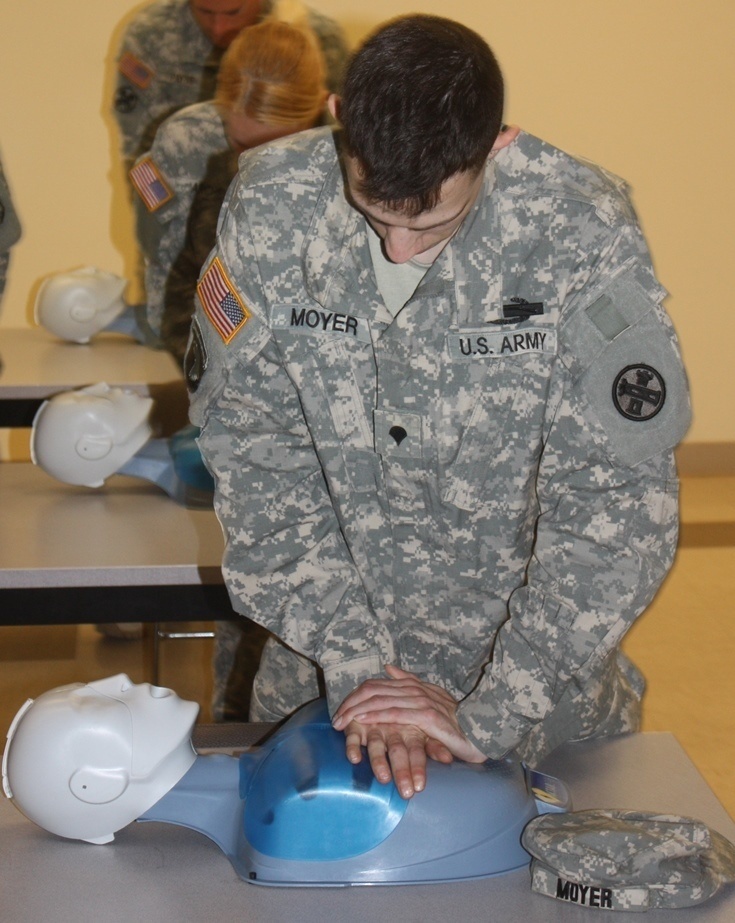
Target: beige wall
[642, 86]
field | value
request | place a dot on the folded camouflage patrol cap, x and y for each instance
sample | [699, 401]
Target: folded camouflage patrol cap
[627, 860]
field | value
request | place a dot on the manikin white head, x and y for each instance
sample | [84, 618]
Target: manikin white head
[75, 305]
[84, 760]
[82, 437]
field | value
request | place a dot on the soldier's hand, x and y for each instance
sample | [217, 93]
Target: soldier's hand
[425, 712]
[395, 751]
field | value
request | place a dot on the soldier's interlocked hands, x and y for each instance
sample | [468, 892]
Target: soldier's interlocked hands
[401, 721]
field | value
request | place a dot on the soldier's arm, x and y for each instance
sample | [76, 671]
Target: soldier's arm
[10, 229]
[286, 564]
[607, 527]
[163, 190]
[607, 492]
[135, 93]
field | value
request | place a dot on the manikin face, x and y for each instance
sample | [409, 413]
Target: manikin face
[152, 719]
[85, 760]
[82, 437]
[423, 237]
[221, 20]
[244, 132]
[75, 305]
[122, 413]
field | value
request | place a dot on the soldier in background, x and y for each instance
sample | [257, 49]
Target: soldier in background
[10, 229]
[440, 395]
[171, 52]
[271, 84]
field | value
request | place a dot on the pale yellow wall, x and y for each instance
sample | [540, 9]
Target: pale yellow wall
[642, 86]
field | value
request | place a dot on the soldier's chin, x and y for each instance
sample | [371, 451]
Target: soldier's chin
[223, 42]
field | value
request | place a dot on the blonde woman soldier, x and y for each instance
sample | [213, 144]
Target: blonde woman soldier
[271, 83]
[171, 51]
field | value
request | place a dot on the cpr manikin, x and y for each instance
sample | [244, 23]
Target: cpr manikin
[83, 437]
[83, 761]
[78, 304]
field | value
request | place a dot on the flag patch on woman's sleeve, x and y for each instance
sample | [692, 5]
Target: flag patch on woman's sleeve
[221, 303]
[150, 184]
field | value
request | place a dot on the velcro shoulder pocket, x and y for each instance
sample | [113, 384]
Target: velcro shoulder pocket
[621, 351]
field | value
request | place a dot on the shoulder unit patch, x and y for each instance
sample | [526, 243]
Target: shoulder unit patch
[639, 392]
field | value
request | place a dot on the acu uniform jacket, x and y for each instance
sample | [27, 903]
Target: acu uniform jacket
[481, 489]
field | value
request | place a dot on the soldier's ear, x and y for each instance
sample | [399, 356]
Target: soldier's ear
[333, 104]
[507, 134]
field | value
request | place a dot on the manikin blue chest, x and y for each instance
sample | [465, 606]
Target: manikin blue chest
[296, 812]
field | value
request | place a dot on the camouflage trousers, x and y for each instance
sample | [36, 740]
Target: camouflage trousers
[607, 704]
[237, 649]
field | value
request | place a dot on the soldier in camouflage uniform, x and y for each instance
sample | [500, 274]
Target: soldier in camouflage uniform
[470, 485]
[190, 156]
[181, 182]
[271, 84]
[171, 52]
[9, 229]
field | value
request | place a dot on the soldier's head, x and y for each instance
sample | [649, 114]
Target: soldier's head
[221, 20]
[421, 112]
[271, 83]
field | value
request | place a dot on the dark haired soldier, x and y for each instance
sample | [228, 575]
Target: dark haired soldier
[440, 395]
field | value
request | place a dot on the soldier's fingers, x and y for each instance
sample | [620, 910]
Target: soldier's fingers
[368, 699]
[429, 689]
[417, 760]
[400, 766]
[417, 711]
[436, 750]
[376, 748]
[353, 743]
[407, 755]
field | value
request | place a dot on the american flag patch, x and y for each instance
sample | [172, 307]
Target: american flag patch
[149, 184]
[135, 70]
[221, 303]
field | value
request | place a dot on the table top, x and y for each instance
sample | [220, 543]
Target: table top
[126, 533]
[161, 872]
[36, 364]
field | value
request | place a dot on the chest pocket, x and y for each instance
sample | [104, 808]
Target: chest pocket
[506, 374]
[329, 356]
[494, 412]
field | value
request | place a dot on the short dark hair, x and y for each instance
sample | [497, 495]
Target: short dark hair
[422, 100]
